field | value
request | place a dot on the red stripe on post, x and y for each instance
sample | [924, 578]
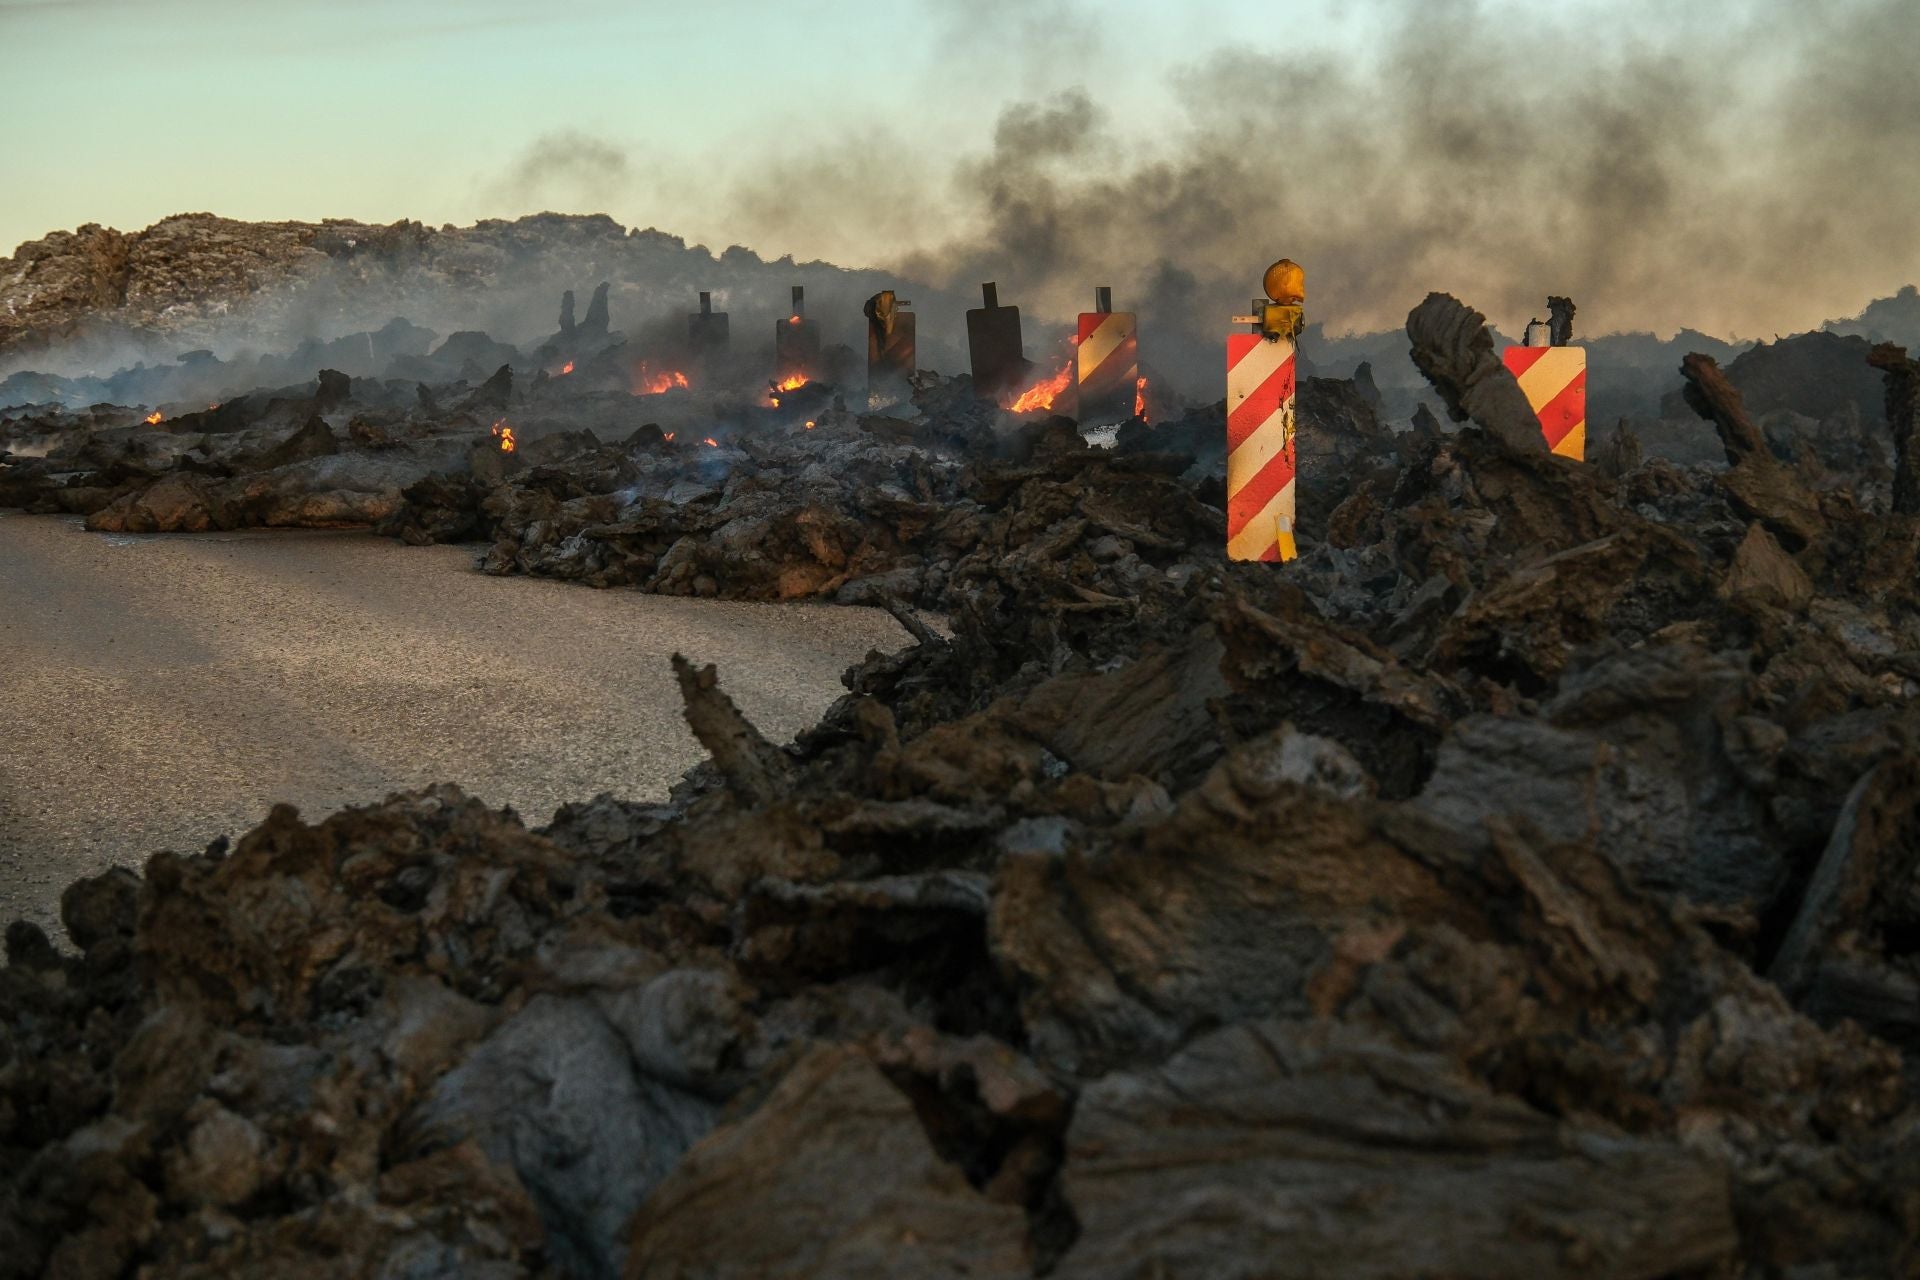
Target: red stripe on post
[1119, 364]
[1254, 496]
[1567, 410]
[1251, 413]
[1521, 359]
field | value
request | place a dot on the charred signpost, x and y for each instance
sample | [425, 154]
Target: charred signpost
[707, 330]
[1106, 363]
[993, 346]
[1553, 376]
[1260, 419]
[890, 348]
[796, 343]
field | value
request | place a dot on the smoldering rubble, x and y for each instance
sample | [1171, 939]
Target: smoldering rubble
[1521, 883]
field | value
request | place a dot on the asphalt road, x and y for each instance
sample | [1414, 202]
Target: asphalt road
[159, 691]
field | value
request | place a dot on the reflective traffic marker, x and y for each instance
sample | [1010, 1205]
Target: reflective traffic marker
[1554, 380]
[1106, 358]
[1260, 457]
[1260, 454]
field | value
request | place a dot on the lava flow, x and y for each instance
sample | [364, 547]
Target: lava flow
[1042, 394]
[505, 432]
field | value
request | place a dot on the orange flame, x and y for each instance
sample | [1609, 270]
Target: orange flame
[809, 424]
[1041, 395]
[792, 382]
[667, 436]
[793, 319]
[153, 419]
[652, 384]
[1140, 399]
[566, 368]
[505, 432]
[711, 443]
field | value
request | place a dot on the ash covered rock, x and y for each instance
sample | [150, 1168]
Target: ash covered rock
[1520, 883]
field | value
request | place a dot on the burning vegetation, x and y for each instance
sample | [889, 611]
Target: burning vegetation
[1519, 883]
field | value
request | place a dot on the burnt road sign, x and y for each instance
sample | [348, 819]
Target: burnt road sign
[993, 344]
[890, 348]
[707, 328]
[796, 343]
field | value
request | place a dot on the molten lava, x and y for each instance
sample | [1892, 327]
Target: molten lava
[1042, 394]
[153, 419]
[1140, 399]
[505, 433]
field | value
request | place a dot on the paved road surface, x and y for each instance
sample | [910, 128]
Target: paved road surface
[158, 691]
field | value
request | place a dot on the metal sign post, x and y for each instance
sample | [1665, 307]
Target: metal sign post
[707, 329]
[796, 343]
[993, 346]
[1553, 377]
[890, 348]
[1106, 358]
[1260, 420]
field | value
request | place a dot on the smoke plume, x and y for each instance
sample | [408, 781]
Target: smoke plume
[1743, 175]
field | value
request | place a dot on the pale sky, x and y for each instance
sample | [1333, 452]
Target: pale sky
[1746, 168]
[124, 111]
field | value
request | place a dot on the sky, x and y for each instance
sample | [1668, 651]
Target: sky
[124, 111]
[1742, 168]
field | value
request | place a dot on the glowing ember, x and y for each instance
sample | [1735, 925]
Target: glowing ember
[153, 419]
[711, 443]
[567, 367]
[1042, 394]
[1140, 399]
[505, 433]
[809, 424]
[793, 382]
[652, 384]
[667, 436]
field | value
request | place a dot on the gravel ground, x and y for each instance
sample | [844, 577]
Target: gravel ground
[159, 691]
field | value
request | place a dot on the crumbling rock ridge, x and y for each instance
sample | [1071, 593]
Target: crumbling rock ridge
[1522, 883]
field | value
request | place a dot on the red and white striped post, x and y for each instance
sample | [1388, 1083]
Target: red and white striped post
[1553, 377]
[1106, 363]
[1260, 421]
